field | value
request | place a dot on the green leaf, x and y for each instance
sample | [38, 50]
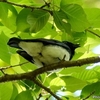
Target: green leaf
[63, 2]
[56, 2]
[21, 21]
[57, 83]
[87, 90]
[49, 78]
[87, 75]
[25, 95]
[28, 66]
[60, 21]
[5, 54]
[93, 15]
[92, 40]
[14, 93]
[73, 84]
[6, 90]
[8, 16]
[70, 71]
[47, 30]
[37, 20]
[25, 2]
[79, 37]
[76, 16]
[14, 59]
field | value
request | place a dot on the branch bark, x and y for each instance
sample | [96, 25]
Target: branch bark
[33, 74]
[46, 89]
[62, 64]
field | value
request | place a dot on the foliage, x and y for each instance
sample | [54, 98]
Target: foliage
[71, 20]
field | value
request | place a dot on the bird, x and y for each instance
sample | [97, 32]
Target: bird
[42, 52]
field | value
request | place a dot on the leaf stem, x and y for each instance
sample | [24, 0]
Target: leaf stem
[93, 33]
[89, 95]
[3, 68]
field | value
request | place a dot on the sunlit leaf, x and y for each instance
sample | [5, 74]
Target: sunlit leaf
[93, 15]
[8, 16]
[70, 71]
[63, 2]
[5, 54]
[56, 2]
[86, 75]
[57, 83]
[6, 90]
[73, 84]
[76, 16]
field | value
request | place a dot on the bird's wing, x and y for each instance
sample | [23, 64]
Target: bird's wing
[47, 42]
[25, 55]
[14, 42]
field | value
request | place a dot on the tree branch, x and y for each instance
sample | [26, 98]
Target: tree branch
[30, 7]
[62, 64]
[66, 64]
[33, 74]
[45, 88]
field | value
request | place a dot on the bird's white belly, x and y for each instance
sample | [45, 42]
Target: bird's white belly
[53, 54]
[46, 55]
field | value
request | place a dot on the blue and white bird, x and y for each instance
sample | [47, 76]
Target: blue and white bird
[42, 51]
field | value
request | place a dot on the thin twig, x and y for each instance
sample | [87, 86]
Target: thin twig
[89, 95]
[45, 88]
[24, 6]
[46, 4]
[30, 7]
[93, 33]
[40, 95]
[3, 68]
